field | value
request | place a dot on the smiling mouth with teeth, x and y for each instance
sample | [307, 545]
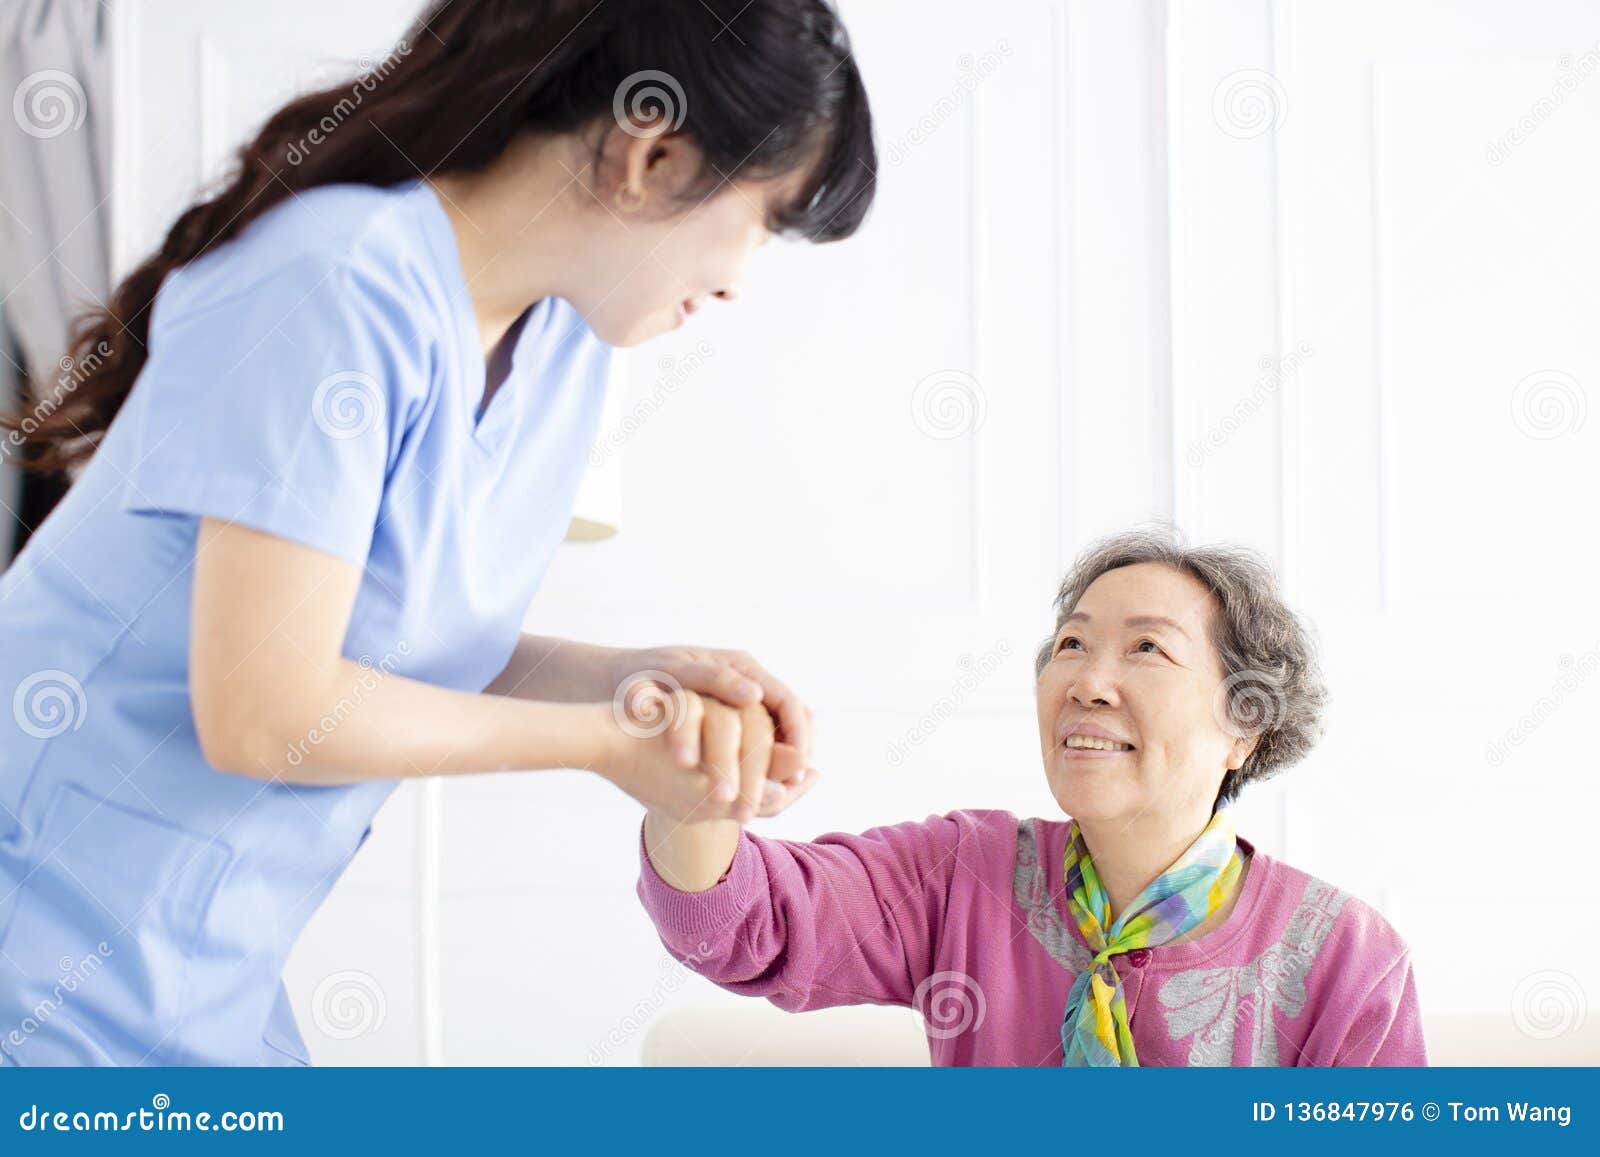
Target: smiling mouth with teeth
[1090, 743]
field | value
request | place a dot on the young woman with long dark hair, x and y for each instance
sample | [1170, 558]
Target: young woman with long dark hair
[329, 437]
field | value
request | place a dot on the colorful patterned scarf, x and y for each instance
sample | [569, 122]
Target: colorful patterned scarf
[1094, 1030]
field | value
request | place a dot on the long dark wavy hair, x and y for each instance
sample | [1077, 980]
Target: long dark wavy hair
[764, 88]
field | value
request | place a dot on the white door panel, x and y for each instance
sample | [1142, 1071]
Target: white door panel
[1417, 219]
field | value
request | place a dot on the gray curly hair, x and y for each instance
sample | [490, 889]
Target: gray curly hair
[1272, 684]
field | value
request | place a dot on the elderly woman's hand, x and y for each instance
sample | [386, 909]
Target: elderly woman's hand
[694, 811]
[692, 759]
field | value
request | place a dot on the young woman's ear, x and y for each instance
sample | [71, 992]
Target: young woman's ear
[616, 174]
[653, 162]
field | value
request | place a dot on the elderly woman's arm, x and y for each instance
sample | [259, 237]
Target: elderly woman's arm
[843, 919]
[1369, 1015]
[1387, 1027]
[738, 745]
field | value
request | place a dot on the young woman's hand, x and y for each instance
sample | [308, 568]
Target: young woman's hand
[566, 671]
[690, 758]
[732, 677]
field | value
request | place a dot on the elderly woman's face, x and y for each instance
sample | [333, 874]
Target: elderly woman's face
[1135, 661]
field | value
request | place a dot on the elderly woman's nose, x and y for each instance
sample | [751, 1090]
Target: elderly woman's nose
[1096, 682]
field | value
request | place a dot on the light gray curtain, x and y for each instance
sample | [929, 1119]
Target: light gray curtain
[55, 178]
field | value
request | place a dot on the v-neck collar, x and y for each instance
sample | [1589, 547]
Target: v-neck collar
[505, 408]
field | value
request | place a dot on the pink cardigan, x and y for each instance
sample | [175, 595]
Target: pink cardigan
[964, 918]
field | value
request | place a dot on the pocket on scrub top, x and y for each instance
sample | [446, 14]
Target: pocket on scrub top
[110, 910]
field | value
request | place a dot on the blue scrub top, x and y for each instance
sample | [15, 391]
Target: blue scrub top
[319, 377]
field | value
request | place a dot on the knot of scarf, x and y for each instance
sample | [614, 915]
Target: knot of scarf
[1094, 1028]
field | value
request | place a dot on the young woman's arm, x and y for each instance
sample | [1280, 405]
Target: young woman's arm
[275, 699]
[556, 671]
[565, 671]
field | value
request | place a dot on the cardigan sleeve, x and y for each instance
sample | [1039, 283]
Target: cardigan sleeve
[1361, 996]
[1378, 1023]
[843, 919]
[1387, 1027]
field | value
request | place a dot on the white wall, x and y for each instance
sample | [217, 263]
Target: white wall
[1340, 334]
[1416, 248]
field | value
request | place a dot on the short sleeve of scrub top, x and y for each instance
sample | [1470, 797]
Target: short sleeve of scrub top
[280, 406]
[320, 378]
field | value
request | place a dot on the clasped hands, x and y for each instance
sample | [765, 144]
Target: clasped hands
[709, 735]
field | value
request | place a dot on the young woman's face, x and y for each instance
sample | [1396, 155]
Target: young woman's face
[1135, 661]
[659, 253]
[661, 271]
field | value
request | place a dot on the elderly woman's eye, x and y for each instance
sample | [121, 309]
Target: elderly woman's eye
[1152, 642]
[1062, 645]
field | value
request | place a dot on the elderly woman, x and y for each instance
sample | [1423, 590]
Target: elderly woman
[1141, 930]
